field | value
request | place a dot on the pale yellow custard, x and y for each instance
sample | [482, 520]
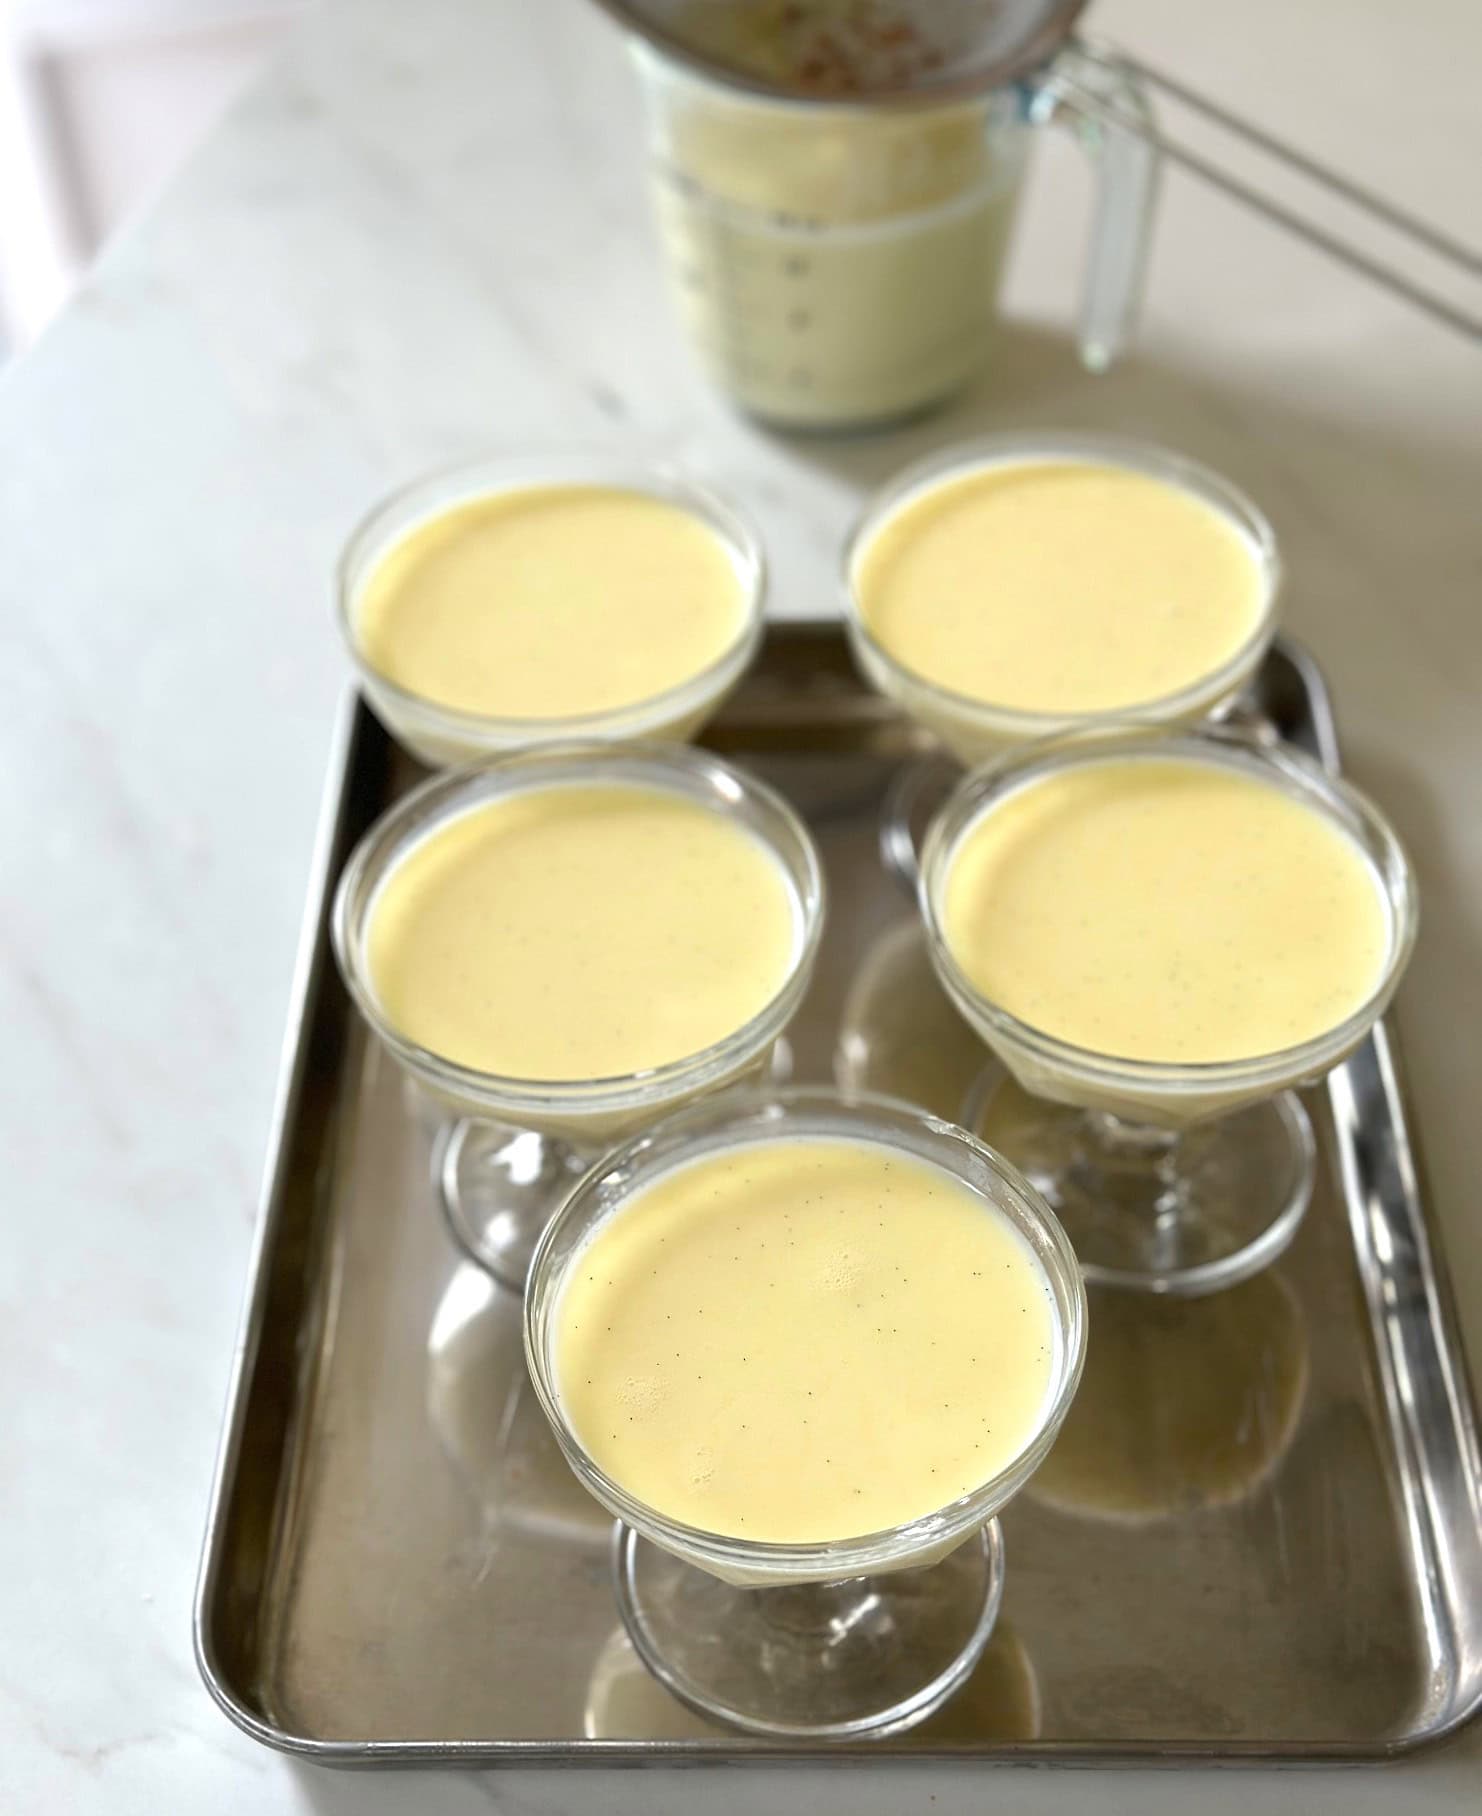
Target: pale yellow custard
[572, 932]
[550, 602]
[805, 1339]
[1059, 587]
[1165, 908]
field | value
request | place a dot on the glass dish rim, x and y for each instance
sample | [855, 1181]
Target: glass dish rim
[1329, 794]
[487, 475]
[450, 793]
[1072, 447]
[698, 1129]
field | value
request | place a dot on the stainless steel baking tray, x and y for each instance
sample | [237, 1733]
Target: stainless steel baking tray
[1261, 1538]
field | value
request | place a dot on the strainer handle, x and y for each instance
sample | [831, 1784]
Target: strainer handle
[1094, 90]
[1117, 135]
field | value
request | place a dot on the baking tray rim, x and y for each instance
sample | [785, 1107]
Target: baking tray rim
[312, 955]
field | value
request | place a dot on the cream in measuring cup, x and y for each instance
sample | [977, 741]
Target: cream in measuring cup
[833, 267]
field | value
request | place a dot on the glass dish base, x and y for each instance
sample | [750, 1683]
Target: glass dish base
[499, 1187]
[871, 1656]
[1150, 1211]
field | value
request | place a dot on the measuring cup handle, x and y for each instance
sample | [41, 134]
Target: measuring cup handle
[1126, 166]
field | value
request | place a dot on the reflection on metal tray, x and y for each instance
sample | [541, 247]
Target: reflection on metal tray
[1258, 1537]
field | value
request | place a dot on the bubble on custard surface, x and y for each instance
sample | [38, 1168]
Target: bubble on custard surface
[839, 1270]
[641, 1396]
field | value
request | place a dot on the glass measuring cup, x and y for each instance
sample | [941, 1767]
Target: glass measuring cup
[838, 267]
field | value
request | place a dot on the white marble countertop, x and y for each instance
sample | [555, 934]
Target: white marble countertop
[424, 233]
